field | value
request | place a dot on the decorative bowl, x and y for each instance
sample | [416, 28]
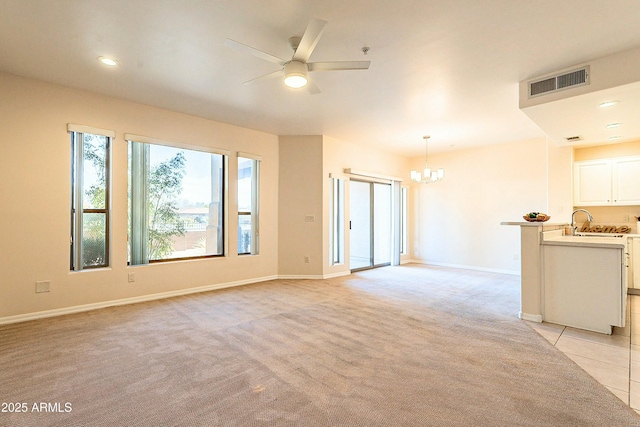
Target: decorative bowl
[539, 218]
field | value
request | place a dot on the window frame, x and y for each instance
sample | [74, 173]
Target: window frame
[337, 220]
[138, 238]
[404, 220]
[254, 214]
[77, 211]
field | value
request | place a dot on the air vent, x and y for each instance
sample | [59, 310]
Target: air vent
[542, 86]
[573, 78]
[573, 138]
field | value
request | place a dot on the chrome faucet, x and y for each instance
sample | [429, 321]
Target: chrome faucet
[573, 227]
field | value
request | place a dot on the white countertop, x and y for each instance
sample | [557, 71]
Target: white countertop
[535, 223]
[556, 238]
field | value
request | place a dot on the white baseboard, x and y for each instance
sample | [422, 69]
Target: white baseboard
[338, 274]
[125, 301]
[466, 267]
[142, 298]
[531, 317]
[312, 276]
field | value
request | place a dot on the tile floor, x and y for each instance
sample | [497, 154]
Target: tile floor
[613, 360]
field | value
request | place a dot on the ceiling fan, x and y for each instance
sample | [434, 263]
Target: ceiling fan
[295, 70]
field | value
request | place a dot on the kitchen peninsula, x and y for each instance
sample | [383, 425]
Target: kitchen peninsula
[578, 281]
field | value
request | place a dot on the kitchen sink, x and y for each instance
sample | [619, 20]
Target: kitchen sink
[600, 235]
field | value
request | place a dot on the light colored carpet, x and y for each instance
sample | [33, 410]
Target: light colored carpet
[396, 346]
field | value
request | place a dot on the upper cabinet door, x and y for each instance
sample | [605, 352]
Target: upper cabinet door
[626, 181]
[592, 183]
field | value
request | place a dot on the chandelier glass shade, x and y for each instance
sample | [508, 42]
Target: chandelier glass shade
[428, 175]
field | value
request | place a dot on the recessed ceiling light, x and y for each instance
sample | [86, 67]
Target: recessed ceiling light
[614, 138]
[608, 104]
[613, 125]
[110, 62]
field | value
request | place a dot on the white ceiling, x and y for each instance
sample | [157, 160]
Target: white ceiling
[443, 68]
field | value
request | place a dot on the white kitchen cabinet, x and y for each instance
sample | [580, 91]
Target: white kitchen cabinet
[626, 181]
[592, 183]
[607, 182]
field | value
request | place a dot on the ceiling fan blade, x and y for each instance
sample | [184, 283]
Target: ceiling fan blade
[253, 51]
[309, 40]
[313, 88]
[265, 77]
[338, 65]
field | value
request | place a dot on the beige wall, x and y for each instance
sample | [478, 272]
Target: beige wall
[559, 182]
[458, 219]
[300, 196]
[34, 201]
[631, 148]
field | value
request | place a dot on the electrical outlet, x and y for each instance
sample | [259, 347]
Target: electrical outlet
[132, 277]
[310, 218]
[44, 286]
[626, 218]
[306, 259]
[515, 257]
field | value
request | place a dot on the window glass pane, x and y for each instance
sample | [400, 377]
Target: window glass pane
[403, 219]
[245, 173]
[94, 239]
[247, 206]
[336, 241]
[94, 171]
[244, 234]
[360, 221]
[182, 214]
[382, 223]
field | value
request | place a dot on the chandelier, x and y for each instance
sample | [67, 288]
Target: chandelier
[427, 176]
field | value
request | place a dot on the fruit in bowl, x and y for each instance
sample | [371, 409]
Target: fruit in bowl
[536, 217]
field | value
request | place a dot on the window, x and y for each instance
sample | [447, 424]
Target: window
[336, 222]
[176, 202]
[404, 220]
[90, 185]
[248, 180]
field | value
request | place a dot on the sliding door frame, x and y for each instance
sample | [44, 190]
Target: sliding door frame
[372, 232]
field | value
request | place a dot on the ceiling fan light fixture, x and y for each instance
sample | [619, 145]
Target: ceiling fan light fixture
[295, 74]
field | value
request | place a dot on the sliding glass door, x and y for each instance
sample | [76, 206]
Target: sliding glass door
[360, 224]
[370, 224]
[381, 224]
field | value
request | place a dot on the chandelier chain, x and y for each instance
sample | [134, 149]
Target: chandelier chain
[426, 152]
